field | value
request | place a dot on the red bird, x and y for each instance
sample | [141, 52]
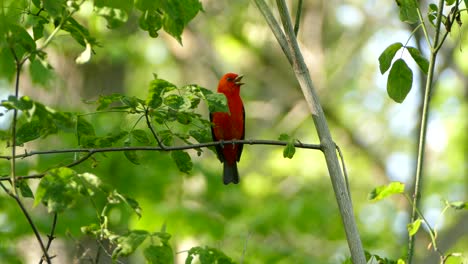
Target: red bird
[229, 126]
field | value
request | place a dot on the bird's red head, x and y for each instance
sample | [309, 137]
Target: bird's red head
[230, 83]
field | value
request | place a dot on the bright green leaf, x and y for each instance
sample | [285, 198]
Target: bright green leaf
[422, 62]
[382, 192]
[400, 261]
[459, 205]
[408, 11]
[449, 2]
[40, 73]
[385, 59]
[174, 101]
[58, 189]
[414, 227]
[127, 244]
[182, 160]
[159, 254]
[7, 64]
[217, 102]
[28, 131]
[84, 129]
[116, 12]
[157, 88]
[24, 189]
[53, 7]
[140, 136]
[399, 81]
[289, 150]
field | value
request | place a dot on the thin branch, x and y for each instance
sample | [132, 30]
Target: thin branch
[275, 28]
[298, 18]
[345, 172]
[92, 151]
[148, 123]
[422, 134]
[31, 223]
[19, 65]
[51, 236]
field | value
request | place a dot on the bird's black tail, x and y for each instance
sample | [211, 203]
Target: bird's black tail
[230, 173]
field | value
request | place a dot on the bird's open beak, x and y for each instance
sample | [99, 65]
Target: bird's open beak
[238, 80]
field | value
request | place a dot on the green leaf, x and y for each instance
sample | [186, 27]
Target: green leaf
[24, 189]
[290, 149]
[79, 32]
[449, 2]
[208, 255]
[408, 11]
[182, 160]
[132, 156]
[140, 136]
[459, 205]
[382, 192]
[53, 7]
[385, 59]
[105, 100]
[58, 189]
[217, 102]
[422, 62]
[414, 227]
[40, 72]
[24, 103]
[7, 64]
[174, 101]
[399, 81]
[83, 129]
[159, 254]
[127, 244]
[21, 41]
[116, 12]
[173, 16]
[28, 131]
[157, 88]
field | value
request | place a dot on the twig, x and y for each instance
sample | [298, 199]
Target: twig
[423, 130]
[148, 123]
[92, 151]
[298, 18]
[50, 236]
[31, 223]
[345, 172]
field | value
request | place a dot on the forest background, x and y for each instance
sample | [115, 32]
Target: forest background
[283, 210]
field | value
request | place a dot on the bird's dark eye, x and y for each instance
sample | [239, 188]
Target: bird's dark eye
[229, 79]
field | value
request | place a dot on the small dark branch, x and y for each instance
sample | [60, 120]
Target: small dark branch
[92, 151]
[148, 122]
[19, 65]
[51, 236]
[31, 223]
[298, 18]
[345, 172]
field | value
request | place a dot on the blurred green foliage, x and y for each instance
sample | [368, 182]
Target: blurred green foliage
[283, 211]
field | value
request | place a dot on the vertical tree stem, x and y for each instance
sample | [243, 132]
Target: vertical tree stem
[422, 133]
[294, 55]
